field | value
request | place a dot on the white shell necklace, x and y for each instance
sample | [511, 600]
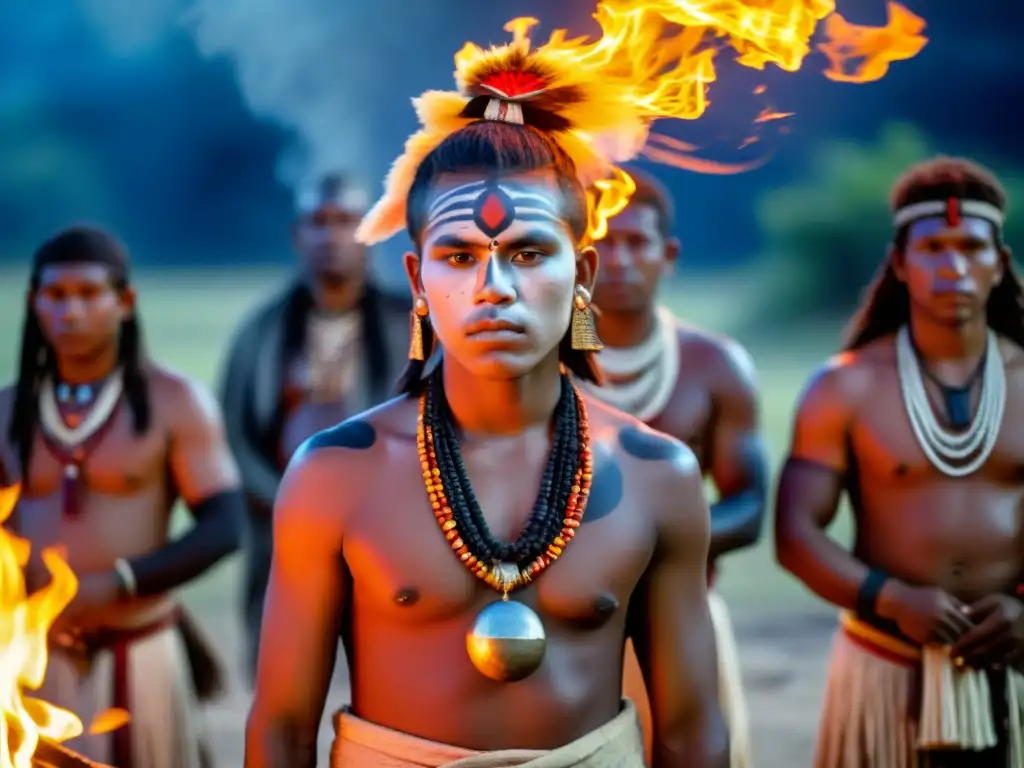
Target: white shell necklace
[55, 426]
[951, 452]
[651, 370]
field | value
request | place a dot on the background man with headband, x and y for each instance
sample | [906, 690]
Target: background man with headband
[921, 421]
[693, 385]
[330, 345]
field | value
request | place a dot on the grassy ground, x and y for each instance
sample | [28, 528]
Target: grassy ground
[188, 318]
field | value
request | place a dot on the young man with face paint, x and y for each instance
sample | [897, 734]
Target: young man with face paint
[487, 540]
[698, 387]
[919, 420]
[330, 345]
[104, 441]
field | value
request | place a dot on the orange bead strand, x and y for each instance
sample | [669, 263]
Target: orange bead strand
[574, 510]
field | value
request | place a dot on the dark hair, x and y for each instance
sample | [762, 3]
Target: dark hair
[886, 304]
[650, 191]
[37, 361]
[940, 179]
[498, 148]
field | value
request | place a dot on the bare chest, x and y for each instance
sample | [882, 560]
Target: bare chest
[120, 463]
[404, 567]
[116, 504]
[887, 449]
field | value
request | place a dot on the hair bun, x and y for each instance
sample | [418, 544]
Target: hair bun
[527, 113]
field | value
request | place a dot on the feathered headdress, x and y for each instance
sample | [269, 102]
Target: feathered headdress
[598, 99]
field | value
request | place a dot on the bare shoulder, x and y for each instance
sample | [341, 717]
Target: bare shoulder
[178, 398]
[663, 466]
[367, 432]
[1013, 359]
[844, 381]
[323, 484]
[674, 494]
[724, 358]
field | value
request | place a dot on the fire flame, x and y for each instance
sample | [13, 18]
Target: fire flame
[655, 59]
[25, 622]
[874, 47]
[659, 55]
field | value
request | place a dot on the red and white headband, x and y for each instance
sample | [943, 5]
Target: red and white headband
[952, 209]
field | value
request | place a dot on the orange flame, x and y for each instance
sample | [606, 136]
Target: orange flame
[874, 47]
[658, 53]
[655, 59]
[767, 115]
[25, 622]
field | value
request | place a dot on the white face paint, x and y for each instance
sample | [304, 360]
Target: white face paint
[951, 268]
[988, 258]
[497, 268]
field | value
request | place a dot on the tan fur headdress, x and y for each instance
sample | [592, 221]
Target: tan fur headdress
[653, 60]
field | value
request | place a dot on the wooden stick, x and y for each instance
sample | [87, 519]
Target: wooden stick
[50, 754]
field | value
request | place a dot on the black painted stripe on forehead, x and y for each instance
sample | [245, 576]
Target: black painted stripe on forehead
[492, 206]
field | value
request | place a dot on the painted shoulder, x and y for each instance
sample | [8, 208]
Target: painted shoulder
[640, 442]
[363, 431]
[670, 475]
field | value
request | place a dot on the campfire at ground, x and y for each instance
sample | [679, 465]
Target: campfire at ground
[31, 730]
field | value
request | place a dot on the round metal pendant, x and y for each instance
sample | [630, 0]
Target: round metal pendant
[506, 642]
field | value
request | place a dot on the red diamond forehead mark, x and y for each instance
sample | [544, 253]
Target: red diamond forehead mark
[493, 212]
[953, 212]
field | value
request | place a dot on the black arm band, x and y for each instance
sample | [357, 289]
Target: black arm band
[867, 595]
[216, 534]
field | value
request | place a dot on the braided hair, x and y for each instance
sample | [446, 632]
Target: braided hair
[37, 361]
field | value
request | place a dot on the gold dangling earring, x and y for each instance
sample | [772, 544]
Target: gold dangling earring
[584, 329]
[417, 318]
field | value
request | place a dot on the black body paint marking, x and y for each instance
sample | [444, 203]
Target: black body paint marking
[355, 434]
[606, 491]
[647, 446]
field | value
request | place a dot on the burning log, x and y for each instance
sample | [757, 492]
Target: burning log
[50, 754]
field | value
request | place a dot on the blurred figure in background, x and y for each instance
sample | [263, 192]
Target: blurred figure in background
[917, 420]
[693, 385]
[105, 441]
[330, 345]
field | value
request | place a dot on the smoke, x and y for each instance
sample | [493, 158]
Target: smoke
[130, 27]
[333, 72]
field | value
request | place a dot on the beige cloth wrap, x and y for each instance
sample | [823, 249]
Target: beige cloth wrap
[874, 679]
[730, 688]
[165, 725]
[361, 744]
